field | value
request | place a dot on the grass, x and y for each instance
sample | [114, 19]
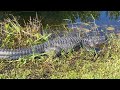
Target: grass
[74, 65]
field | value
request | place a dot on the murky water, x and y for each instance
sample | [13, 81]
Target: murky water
[105, 19]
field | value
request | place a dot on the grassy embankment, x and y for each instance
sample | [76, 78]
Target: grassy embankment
[75, 65]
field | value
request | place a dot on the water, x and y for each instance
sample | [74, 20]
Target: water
[103, 19]
[105, 22]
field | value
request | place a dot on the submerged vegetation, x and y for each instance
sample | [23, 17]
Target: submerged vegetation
[74, 65]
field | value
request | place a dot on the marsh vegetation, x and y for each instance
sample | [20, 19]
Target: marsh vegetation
[74, 65]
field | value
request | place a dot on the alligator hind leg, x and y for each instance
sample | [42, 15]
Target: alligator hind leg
[53, 51]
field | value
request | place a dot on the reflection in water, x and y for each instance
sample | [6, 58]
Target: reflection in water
[102, 18]
[106, 18]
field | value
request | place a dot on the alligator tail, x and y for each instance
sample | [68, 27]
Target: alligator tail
[13, 54]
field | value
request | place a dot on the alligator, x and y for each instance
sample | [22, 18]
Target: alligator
[72, 40]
